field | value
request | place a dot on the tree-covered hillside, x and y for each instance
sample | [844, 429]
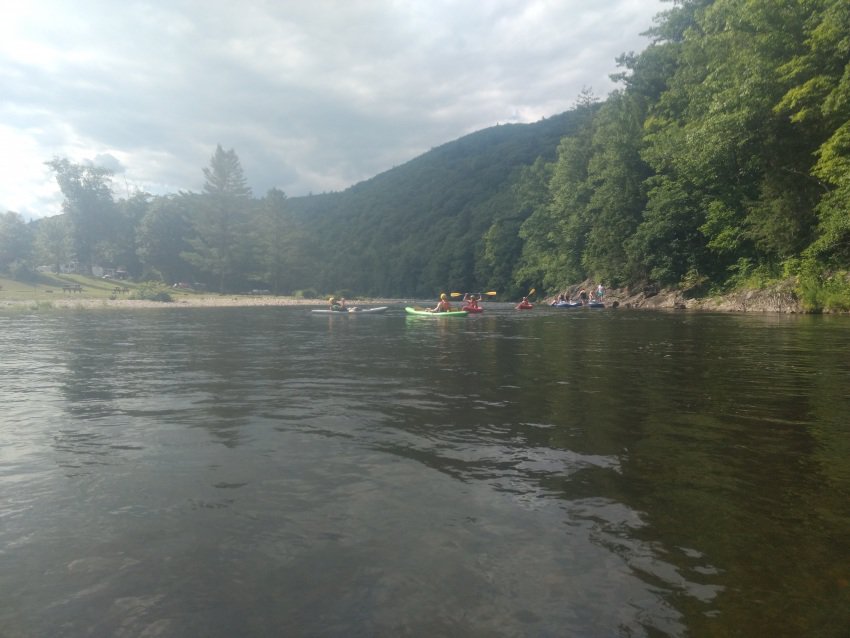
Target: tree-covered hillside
[419, 228]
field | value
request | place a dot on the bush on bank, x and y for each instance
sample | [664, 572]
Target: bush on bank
[152, 291]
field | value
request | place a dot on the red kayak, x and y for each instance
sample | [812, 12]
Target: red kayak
[473, 309]
[525, 306]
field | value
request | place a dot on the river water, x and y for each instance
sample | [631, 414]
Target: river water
[269, 472]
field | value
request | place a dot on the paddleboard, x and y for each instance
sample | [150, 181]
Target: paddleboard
[351, 311]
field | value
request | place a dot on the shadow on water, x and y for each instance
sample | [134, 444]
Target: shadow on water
[236, 472]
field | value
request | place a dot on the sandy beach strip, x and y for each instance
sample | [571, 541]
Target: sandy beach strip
[188, 301]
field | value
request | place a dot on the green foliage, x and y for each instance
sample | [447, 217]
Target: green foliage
[693, 282]
[53, 242]
[162, 237]
[615, 175]
[219, 246]
[15, 241]
[22, 271]
[667, 243]
[824, 290]
[420, 227]
[152, 291]
[721, 229]
[89, 207]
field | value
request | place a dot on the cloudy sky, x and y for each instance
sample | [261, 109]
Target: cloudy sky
[313, 95]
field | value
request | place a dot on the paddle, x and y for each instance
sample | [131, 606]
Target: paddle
[531, 292]
[525, 299]
[491, 293]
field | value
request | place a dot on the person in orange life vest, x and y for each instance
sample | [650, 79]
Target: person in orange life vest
[443, 305]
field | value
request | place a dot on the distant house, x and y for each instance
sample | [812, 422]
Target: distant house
[108, 273]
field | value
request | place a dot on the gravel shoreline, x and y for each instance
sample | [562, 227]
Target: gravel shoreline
[194, 301]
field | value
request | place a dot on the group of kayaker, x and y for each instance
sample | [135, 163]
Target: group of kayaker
[582, 297]
[470, 301]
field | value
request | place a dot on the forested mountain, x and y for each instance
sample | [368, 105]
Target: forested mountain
[721, 161]
[419, 228]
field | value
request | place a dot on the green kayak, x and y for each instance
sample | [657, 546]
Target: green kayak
[425, 313]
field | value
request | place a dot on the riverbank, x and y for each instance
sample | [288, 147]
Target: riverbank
[780, 298]
[776, 301]
[190, 301]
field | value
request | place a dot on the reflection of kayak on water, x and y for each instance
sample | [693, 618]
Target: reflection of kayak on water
[351, 311]
[425, 313]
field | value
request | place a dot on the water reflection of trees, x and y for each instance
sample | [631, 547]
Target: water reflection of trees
[147, 367]
[728, 439]
[722, 454]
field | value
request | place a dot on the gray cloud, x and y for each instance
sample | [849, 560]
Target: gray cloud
[109, 162]
[312, 96]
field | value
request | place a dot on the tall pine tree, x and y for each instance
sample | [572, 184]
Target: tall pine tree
[220, 247]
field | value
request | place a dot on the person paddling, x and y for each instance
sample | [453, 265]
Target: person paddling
[443, 305]
[337, 306]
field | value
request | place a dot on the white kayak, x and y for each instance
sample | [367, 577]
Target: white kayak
[351, 311]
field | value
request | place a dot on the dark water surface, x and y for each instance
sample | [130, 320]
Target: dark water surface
[265, 472]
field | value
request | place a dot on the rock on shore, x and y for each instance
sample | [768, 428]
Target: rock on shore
[780, 298]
